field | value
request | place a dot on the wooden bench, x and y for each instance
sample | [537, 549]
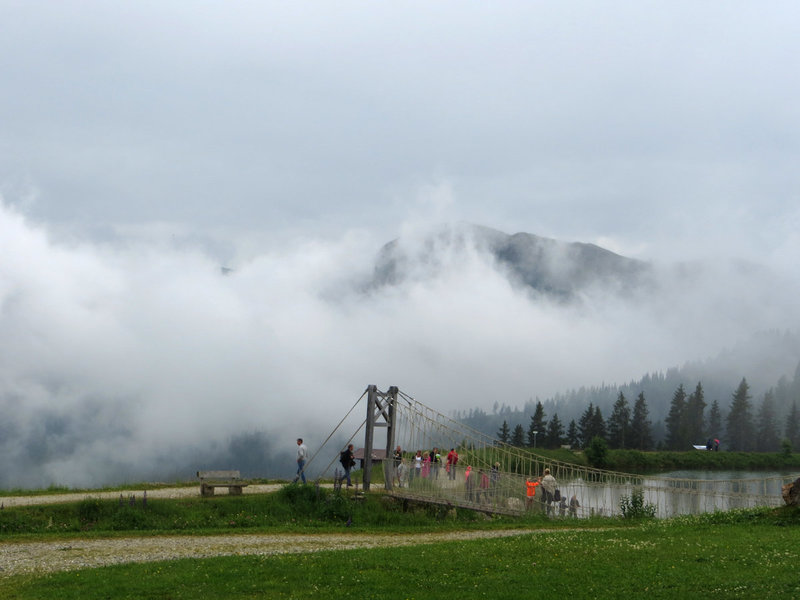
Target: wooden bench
[214, 479]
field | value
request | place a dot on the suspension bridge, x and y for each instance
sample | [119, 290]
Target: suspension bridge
[491, 476]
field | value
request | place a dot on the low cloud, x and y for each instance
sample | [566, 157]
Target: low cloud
[143, 360]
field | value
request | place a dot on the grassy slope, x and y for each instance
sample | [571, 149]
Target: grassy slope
[688, 558]
[732, 554]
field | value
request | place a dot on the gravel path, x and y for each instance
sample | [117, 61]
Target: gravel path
[72, 554]
[68, 555]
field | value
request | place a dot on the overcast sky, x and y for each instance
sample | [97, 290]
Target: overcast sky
[145, 144]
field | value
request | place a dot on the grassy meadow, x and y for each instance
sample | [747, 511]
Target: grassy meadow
[733, 555]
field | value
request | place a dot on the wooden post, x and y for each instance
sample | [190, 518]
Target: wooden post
[379, 405]
[391, 420]
[369, 434]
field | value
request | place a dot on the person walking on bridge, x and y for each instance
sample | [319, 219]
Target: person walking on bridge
[348, 462]
[398, 460]
[452, 460]
[302, 453]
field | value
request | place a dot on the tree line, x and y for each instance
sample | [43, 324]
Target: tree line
[746, 427]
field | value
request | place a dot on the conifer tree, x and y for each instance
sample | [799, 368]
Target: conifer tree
[538, 424]
[598, 424]
[555, 432]
[518, 436]
[641, 432]
[585, 426]
[676, 421]
[714, 421]
[792, 432]
[739, 430]
[619, 424]
[573, 439]
[504, 434]
[767, 439]
[695, 416]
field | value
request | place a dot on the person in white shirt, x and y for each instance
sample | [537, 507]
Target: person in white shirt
[302, 452]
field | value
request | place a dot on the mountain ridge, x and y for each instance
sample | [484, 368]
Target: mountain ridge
[554, 268]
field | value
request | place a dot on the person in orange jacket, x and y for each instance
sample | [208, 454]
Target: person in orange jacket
[530, 489]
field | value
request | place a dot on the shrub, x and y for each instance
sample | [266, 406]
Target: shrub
[89, 510]
[786, 448]
[128, 518]
[634, 506]
[597, 453]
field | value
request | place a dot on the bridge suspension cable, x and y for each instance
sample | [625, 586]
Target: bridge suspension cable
[490, 475]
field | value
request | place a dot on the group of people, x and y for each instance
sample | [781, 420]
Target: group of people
[478, 487]
[550, 496]
[424, 465]
[481, 487]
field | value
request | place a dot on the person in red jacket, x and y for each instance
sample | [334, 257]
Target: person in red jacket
[483, 486]
[452, 460]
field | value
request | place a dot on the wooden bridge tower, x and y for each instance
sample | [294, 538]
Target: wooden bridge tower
[381, 412]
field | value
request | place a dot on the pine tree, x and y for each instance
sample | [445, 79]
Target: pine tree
[518, 436]
[792, 432]
[555, 432]
[503, 435]
[538, 424]
[767, 438]
[641, 432]
[676, 421]
[619, 424]
[740, 420]
[598, 424]
[695, 416]
[585, 426]
[714, 421]
[573, 439]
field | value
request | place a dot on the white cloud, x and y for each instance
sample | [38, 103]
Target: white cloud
[148, 145]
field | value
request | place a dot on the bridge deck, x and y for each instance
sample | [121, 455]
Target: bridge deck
[456, 502]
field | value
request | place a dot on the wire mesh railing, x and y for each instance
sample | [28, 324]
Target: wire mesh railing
[447, 462]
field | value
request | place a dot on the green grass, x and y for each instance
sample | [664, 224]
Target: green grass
[732, 555]
[292, 508]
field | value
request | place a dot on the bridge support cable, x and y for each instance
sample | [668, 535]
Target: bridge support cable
[599, 492]
[335, 429]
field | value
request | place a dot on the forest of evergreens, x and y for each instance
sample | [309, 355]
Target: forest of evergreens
[665, 411]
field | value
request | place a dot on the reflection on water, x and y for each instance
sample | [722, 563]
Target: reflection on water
[683, 492]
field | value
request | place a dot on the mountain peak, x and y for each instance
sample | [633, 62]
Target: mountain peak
[542, 265]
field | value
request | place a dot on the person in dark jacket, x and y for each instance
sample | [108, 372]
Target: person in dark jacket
[348, 462]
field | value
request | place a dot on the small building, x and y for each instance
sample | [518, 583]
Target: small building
[378, 456]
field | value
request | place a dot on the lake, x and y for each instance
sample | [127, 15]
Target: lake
[684, 492]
